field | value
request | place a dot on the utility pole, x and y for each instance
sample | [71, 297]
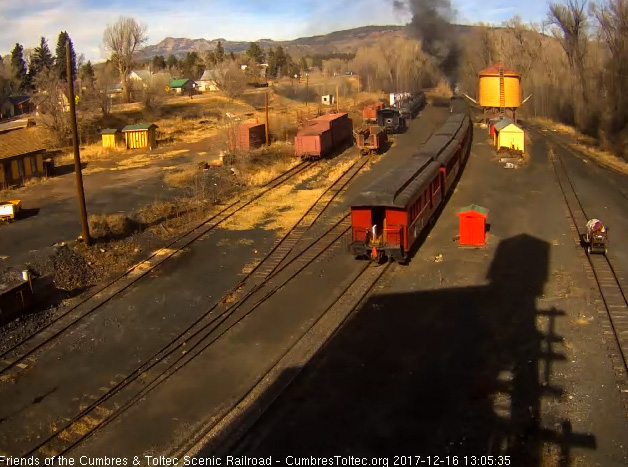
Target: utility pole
[307, 88]
[75, 141]
[337, 103]
[266, 99]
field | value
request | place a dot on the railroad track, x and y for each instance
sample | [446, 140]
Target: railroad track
[21, 354]
[213, 324]
[220, 434]
[608, 279]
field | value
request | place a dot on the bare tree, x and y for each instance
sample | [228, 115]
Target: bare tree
[571, 20]
[123, 39]
[230, 79]
[51, 105]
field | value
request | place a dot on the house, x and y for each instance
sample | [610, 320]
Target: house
[182, 86]
[140, 136]
[328, 99]
[16, 105]
[114, 90]
[208, 81]
[141, 76]
[22, 156]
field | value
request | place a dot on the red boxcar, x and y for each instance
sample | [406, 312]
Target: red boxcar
[341, 127]
[369, 112]
[247, 136]
[313, 141]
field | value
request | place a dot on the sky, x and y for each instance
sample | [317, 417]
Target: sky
[25, 21]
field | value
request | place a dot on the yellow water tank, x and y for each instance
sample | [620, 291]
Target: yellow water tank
[489, 90]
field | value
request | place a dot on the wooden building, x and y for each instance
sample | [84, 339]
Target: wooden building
[508, 135]
[21, 157]
[140, 136]
[182, 86]
[111, 137]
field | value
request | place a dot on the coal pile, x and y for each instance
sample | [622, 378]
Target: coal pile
[71, 271]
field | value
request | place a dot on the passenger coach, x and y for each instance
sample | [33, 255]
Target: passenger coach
[391, 214]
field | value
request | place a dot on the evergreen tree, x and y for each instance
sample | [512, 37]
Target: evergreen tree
[255, 52]
[172, 61]
[19, 80]
[87, 73]
[219, 52]
[41, 58]
[159, 63]
[61, 59]
[232, 56]
[304, 66]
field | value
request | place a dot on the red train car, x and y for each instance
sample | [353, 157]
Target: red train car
[313, 142]
[324, 135]
[341, 127]
[369, 112]
[371, 139]
[391, 214]
[247, 136]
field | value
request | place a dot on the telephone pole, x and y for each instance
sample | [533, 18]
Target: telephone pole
[337, 103]
[266, 99]
[75, 141]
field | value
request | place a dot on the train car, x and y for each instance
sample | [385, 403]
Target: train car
[391, 119]
[387, 218]
[410, 107]
[371, 139]
[313, 141]
[390, 215]
[341, 127]
[369, 112]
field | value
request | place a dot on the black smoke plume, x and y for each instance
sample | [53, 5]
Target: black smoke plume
[431, 23]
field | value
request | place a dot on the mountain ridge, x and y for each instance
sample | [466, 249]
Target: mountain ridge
[337, 41]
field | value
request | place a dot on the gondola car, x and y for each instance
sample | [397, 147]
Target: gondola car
[391, 214]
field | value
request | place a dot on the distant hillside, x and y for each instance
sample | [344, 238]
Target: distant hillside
[338, 41]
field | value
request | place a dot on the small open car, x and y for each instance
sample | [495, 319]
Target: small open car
[595, 238]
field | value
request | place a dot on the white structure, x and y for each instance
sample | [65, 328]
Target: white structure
[208, 82]
[396, 97]
[328, 99]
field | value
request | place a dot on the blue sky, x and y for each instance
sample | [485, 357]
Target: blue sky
[24, 21]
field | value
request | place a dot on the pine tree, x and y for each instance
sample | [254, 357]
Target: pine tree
[172, 61]
[61, 59]
[232, 56]
[87, 73]
[220, 52]
[41, 58]
[18, 69]
[159, 63]
[255, 52]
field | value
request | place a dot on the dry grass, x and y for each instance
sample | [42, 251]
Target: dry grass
[110, 225]
[157, 212]
[280, 210]
[182, 178]
[585, 144]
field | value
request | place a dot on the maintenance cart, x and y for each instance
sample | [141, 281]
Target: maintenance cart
[370, 139]
[10, 209]
[595, 238]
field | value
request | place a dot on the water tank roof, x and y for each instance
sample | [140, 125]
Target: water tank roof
[494, 71]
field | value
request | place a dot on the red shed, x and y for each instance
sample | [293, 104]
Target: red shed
[472, 225]
[247, 136]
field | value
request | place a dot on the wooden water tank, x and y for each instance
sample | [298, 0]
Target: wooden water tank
[489, 90]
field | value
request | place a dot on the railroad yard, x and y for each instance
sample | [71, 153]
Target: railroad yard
[438, 356]
[272, 273]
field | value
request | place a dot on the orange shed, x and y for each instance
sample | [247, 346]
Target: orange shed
[473, 225]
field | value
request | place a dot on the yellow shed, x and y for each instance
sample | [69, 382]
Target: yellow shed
[509, 135]
[140, 136]
[110, 137]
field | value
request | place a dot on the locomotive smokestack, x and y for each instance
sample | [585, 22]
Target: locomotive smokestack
[431, 24]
